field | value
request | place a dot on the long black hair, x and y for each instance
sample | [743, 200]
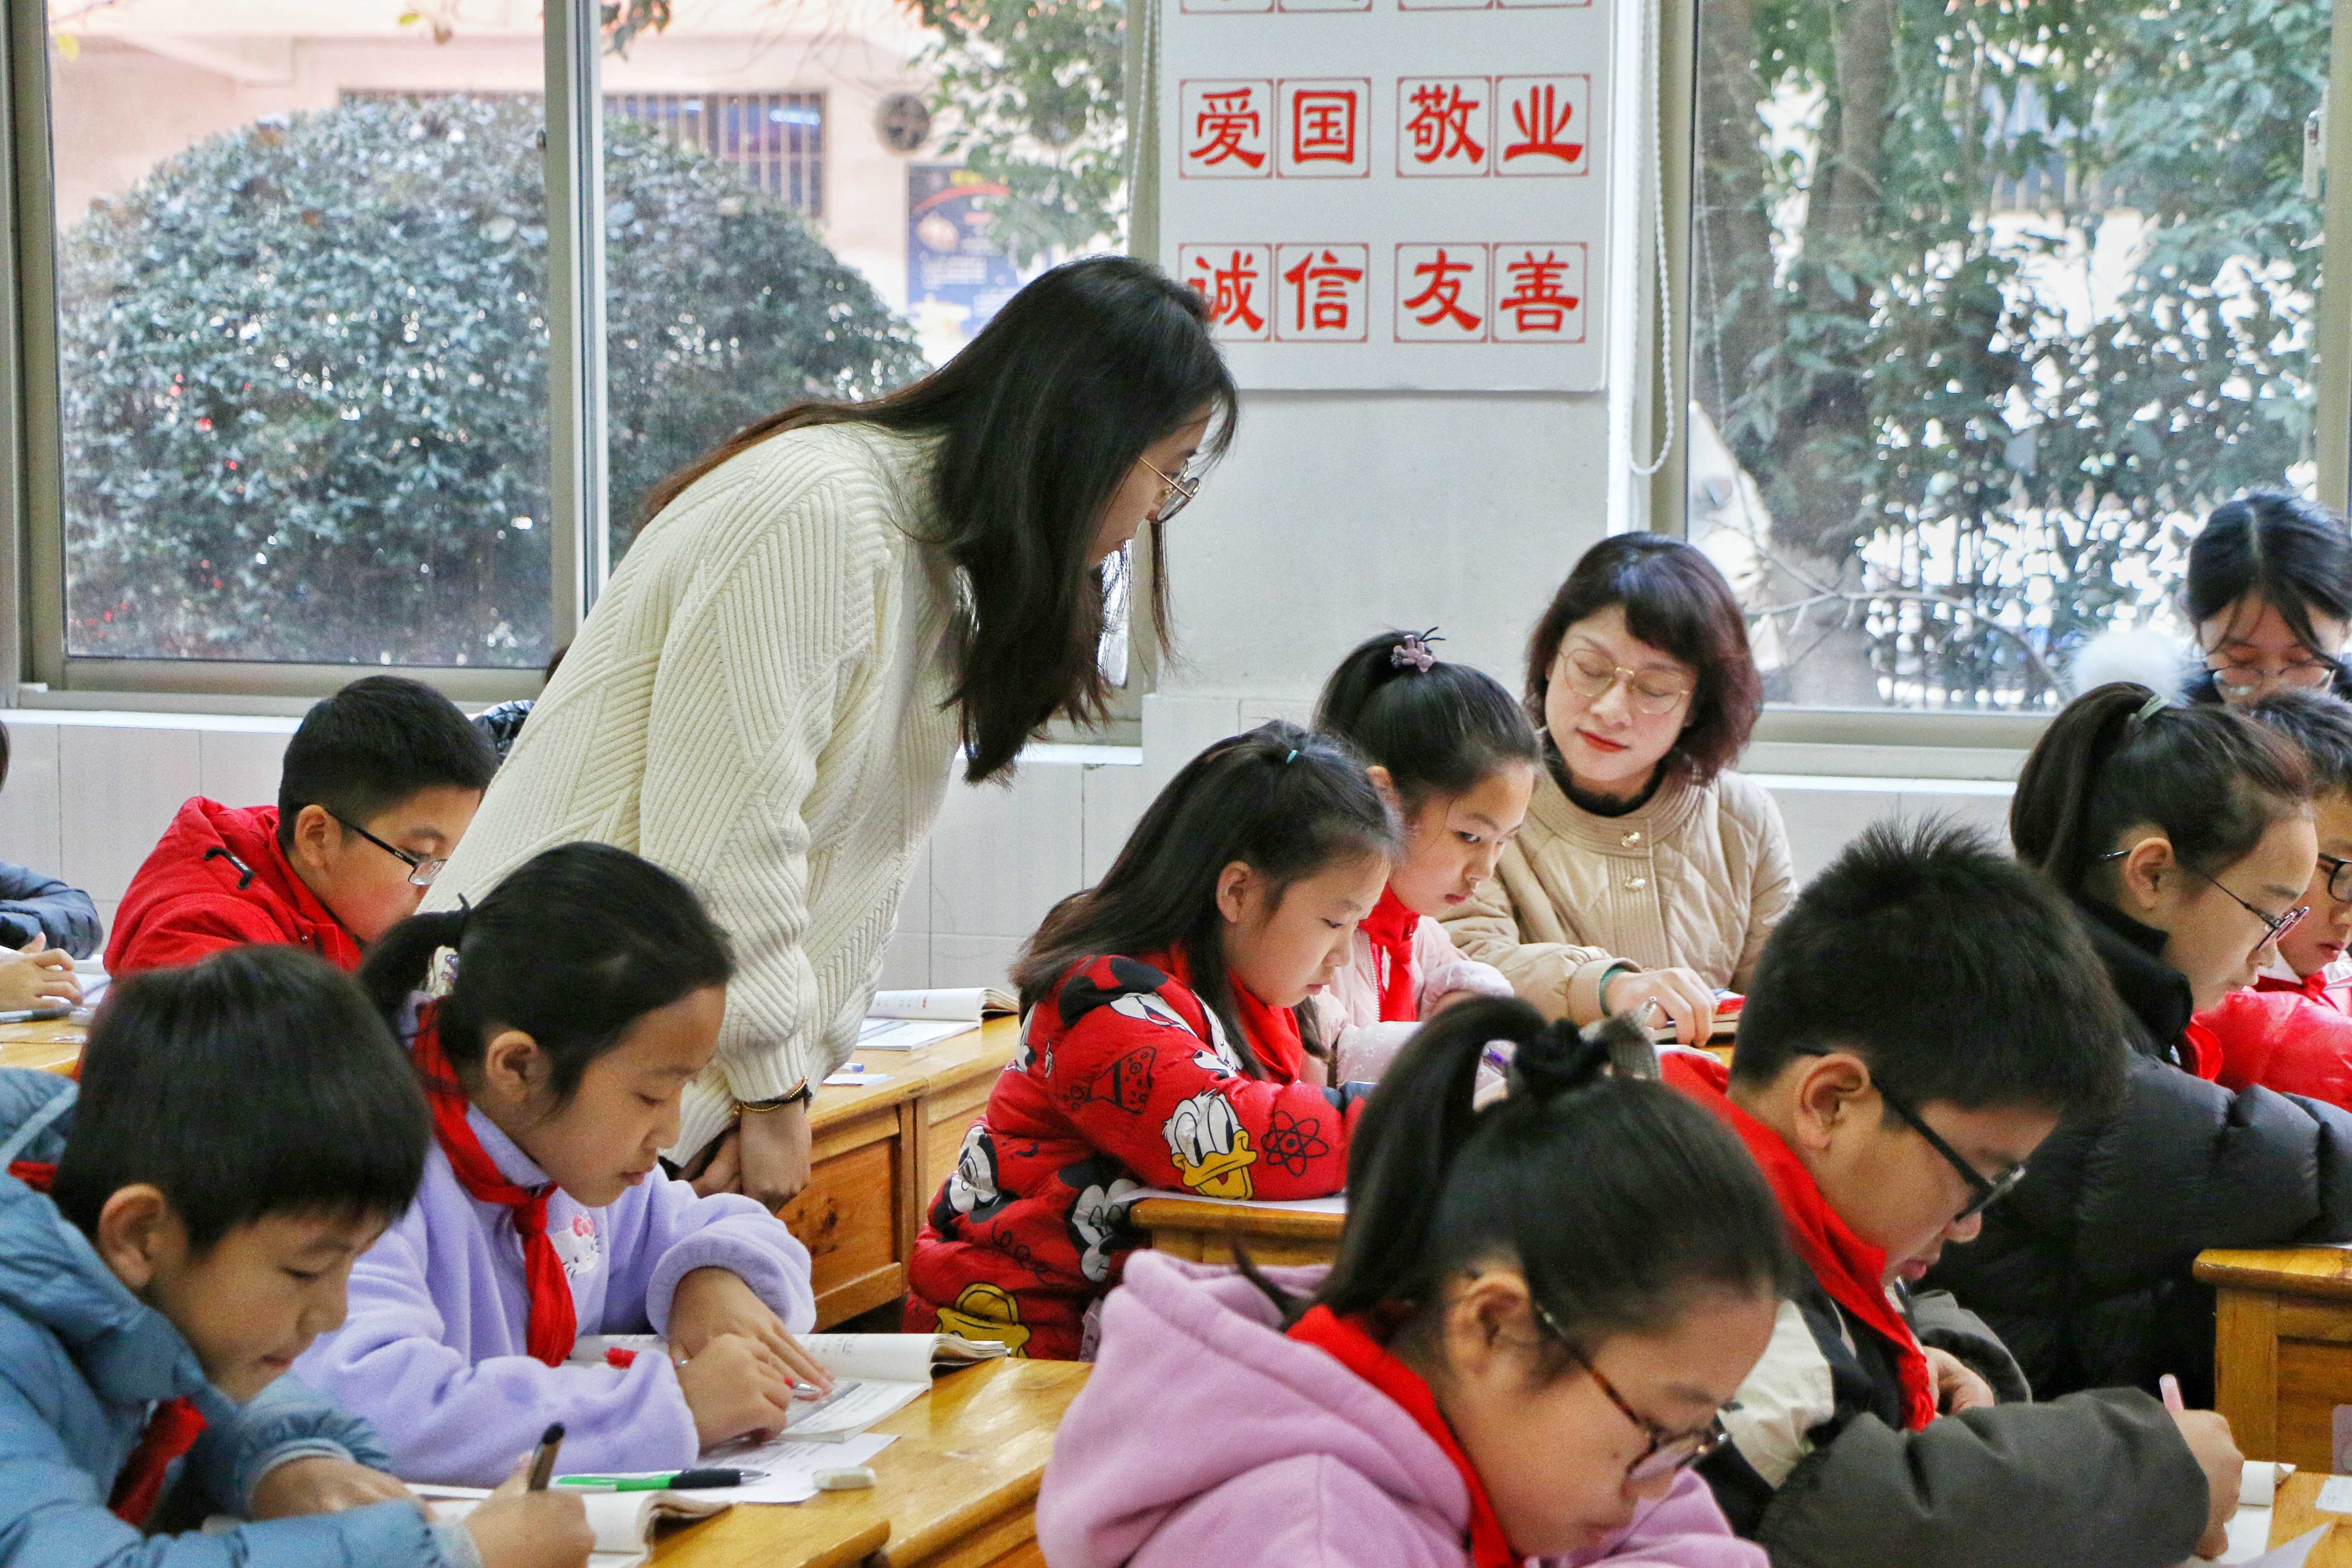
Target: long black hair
[1045, 415]
[2210, 778]
[1279, 800]
[1620, 1200]
[574, 947]
[1439, 729]
[2293, 555]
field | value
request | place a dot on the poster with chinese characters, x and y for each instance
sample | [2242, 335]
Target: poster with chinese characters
[1405, 193]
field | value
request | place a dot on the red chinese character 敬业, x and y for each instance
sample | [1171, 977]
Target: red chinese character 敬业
[1323, 126]
[1440, 126]
[1225, 120]
[1541, 117]
[1443, 294]
[1538, 302]
[1231, 289]
[1320, 290]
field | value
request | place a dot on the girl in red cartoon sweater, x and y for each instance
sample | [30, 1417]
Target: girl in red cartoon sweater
[1161, 1045]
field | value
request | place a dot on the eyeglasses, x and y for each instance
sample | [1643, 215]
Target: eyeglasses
[2274, 927]
[1989, 1190]
[2339, 884]
[1177, 495]
[1591, 675]
[1668, 1452]
[420, 871]
[2245, 679]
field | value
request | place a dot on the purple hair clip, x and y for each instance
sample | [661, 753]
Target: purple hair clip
[1412, 648]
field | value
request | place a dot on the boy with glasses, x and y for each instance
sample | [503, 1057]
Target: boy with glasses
[379, 784]
[1923, 1017]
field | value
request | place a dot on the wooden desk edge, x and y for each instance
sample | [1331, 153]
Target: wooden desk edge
[1229, 1219]
[2287, 1271]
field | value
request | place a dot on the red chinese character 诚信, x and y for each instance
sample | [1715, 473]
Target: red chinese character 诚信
[1323, 126]
[1440, 126]
[1541, 117]
[1444, 295]
[1225, 120]
[1320, 293]
[1231, 288]
[1538, 302]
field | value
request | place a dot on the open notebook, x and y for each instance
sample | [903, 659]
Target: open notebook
[874, 1376]
[909, 1020]
[624, 1521]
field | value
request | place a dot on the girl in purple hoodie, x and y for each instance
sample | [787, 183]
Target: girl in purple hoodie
[559, 1023]
[1539, 1311]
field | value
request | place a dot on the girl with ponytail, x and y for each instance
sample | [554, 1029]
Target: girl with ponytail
[1162, 1043]
[1539, 1311]
[553, 1027]
[1456, 757]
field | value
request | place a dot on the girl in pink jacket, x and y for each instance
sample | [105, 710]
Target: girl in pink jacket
[1457, 758]
[1539, 1311]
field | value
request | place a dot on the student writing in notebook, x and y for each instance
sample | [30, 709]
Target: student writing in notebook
[553, 1028]
[1161, 1041]
[173, 1229]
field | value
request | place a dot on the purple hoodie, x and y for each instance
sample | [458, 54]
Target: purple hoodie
[1205, 1436]
[432, 1352]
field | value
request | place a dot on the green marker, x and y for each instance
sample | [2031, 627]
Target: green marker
[675, 1481]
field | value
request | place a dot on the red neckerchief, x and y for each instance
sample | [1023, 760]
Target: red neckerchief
[37, 1174]
[1391, 927]
[173, 1428]
[1349, 1341]
[2203, 1049]
[555, 1323]
[1852, 1270]
[1272, 1032]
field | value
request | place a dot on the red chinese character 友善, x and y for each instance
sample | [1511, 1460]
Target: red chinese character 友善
[1440, 126]
[1230, 288]
[1443, 293]
[1323, 126]
[1320, 292]
[1541, 117]
[1225, 120]
[1538, 302]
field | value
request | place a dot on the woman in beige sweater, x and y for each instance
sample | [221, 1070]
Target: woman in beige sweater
[823, 615]
[1646, 870]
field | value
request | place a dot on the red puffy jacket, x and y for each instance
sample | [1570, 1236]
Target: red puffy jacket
[2282, 1040]
[217, 879]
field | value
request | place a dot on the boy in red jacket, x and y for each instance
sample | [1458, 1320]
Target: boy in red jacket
[379, 784]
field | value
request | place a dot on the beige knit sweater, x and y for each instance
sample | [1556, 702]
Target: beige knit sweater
[758, 702]
[1693, 879]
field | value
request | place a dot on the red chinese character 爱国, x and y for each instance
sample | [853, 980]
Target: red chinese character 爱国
[1319, 289]
[1541, 117]
[1225, 120]
[1323, 126]
[1538, 303]
[1440, 126]
[1443, 294]
[1231, 289]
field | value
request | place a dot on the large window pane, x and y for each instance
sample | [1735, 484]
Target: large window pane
[302, 256]
[1991, 302]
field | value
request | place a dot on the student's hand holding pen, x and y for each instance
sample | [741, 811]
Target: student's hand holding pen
[2206, 1433]
[517, 1528]
[37, 976]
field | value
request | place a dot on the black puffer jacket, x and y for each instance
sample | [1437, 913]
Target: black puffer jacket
[2084, 1271]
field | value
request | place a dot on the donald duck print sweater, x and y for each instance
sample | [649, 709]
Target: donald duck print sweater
[1124, 1083]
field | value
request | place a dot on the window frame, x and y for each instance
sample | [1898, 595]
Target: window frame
[1966, 739]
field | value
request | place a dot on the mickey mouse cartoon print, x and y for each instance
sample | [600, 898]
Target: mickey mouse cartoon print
[1125, 1075]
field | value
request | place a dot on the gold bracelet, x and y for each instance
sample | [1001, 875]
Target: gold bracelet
[799, 1096]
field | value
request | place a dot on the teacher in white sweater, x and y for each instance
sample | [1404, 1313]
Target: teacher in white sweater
[821, 616]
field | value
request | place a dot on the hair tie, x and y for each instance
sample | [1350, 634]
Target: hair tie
[1412, 648]
[1292, 758]
[1556, 1062]
[441, 969]
[2156, 703]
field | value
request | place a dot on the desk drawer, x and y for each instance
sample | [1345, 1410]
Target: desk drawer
[847, 1218]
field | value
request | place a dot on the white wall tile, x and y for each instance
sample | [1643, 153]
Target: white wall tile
[1822, 820]
[1985, 807]
[1004, 856]
[120, 789]
[958, 960]
[1178, 728]
[31, 821]
[906, 962]
[241, 767]
[1114, 800]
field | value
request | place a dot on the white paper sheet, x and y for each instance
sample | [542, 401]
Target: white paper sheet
[906, 1033]
[2336, 1495]
[2292, 1553]
[791, 1466]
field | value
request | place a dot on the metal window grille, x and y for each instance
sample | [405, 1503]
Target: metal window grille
[777, 139]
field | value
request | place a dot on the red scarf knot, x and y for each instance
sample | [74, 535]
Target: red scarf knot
[1391, 927]
[172, 1430]
[1271, 1032]
[554, 1321]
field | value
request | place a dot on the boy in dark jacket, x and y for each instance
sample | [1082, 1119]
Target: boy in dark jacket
[1921, 1019]
[173, 1231]
[380, 783]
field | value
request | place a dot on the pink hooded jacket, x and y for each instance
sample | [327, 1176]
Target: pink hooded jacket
[1206, 1437]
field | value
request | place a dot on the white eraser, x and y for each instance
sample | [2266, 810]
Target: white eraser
[849, 1478]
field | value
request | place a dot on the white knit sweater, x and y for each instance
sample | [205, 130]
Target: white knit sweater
[758, 702]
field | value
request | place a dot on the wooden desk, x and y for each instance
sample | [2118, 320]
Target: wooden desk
[878, 1159]
[2294, 1514]
[2283, 1348]
[55, 1046]
[957, 1490]
[1207, 1232]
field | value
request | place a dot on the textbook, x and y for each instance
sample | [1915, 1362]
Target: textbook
[874, 1376]
[624, 1521]
[966, 1005]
